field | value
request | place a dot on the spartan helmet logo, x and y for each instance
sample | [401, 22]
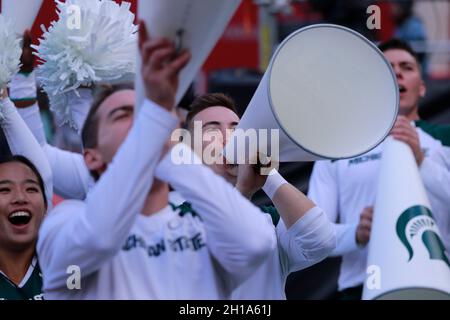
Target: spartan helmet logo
[418, 221]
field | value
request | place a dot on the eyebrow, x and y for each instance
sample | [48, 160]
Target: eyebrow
[211, 123]
[26, 181]
[403, 63]
[217, 123]
[31, 181]
[123, 108]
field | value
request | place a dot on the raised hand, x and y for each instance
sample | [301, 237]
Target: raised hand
[404, 131]
[160, 68]
[365, 226]
[27, 58]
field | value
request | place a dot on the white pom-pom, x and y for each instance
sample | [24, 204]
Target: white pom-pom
[9, 54]
[93, 44]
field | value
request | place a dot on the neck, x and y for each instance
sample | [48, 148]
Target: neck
[413, 115]
[157, 199]
[15, 264]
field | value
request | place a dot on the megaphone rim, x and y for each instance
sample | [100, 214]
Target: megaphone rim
[379, 296]
[373, 46]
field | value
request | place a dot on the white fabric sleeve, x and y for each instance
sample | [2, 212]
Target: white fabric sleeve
[346, 239]
[89, 234]
[311, 239]
[80, 102]
[239, 235]
[435, 173]
[32, 117]
[23, 87]
[324, 192]
[71, 177]
[22, 142]
[274, 181]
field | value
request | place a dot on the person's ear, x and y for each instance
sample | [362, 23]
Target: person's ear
[94, 160]
[422, 89]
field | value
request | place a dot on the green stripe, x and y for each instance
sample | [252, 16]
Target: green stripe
[23, 99]
[273, 212]
[26, 74]
[438, 131]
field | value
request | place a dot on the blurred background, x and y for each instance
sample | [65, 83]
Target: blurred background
[242, 55]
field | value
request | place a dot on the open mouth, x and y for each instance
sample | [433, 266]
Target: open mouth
[401, 89]
[19, 218]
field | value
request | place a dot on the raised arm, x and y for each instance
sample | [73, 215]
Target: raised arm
[305, 234]
[71, 178]
[22, 142]
[239, 235]
[88, 234]
[94, 231]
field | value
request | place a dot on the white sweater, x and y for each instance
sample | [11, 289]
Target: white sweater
[308, 241]
[343, 188]
[212, 256]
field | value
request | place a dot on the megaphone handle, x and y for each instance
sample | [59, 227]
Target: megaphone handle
[179, 41]
[180, 31]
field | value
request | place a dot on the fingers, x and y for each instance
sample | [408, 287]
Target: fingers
[364, 236]
[178, 63]
[405, 132]
[149, 47]
[367, 213]
[365, 224]
[143, 34]
[160, 57]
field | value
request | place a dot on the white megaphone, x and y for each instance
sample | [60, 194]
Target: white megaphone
[21, 12]
[195, 25]
[406, 257]
[329, 93]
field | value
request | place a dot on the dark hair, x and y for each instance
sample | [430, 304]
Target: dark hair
[21, 159]
[210, 100]
[394, 43]
[187, 99]
[89, 134]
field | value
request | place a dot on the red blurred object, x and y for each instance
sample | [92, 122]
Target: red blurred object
[237, 48]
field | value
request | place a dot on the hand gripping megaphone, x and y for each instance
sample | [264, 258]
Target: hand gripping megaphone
[21, 12]
[328, 93]
[196, 25]
[406, 258]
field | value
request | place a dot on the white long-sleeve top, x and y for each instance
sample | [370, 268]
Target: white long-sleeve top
[124, 255]
[308, 241]
[344, 188]
[71, 178]
[22, 142]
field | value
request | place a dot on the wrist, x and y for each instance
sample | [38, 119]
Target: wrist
[273, 183]
[245, 191]
[420, 159]
[23, 103]
[23, 87]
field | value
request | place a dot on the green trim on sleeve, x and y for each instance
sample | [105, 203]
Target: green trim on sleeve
[23, 99]
[438, 131]
[273, 212]
[26, 74]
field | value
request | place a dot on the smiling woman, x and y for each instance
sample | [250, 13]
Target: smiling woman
[22, 208]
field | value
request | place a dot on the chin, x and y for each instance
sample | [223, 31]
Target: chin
[231, 179]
